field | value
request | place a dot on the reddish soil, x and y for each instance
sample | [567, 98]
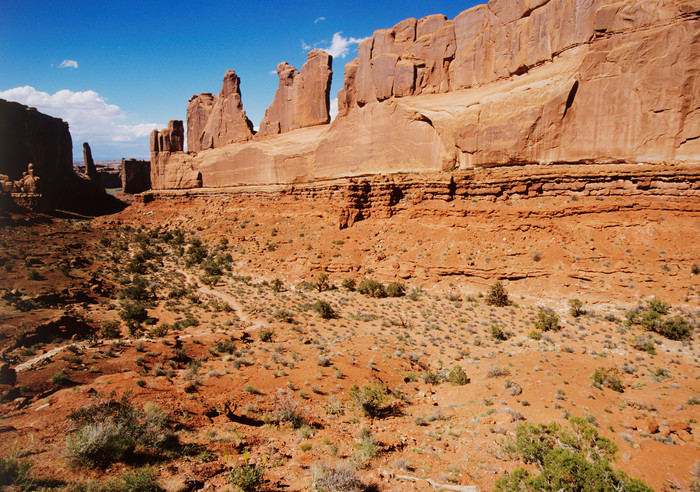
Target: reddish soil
[611, 253]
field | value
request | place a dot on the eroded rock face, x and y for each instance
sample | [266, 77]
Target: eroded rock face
[508, 83]
[215, 121]
[135, 175]
[28, 136]
[166, 152]
[302, 98]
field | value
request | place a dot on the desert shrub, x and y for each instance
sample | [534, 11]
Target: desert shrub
[287, 410]
[576, 459]
[371, 399]
[367, 448]
[137, 290]
[547, 320]
[276, 285]
[14, 471]
[266, 334]
[196, 253]
[433, 377]
[249, 476]
[458, 376]
[395, 289]
[497, 295]
[110, 329]
[114, 430]
[371, 288]
[653, 317]
[322, 282]
[336, 479]
[576, 308]
[34, 275]
[535, 335]
[324, 309]
[139, 480]
[497, 332]
[349, 284]
[644, 343]
[609, 378]
[133, 313]
[284, 316]
[60, 377]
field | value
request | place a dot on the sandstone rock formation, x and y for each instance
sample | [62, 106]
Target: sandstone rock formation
[169, 168]
[511, 82]
[90, 168]
[302, 99]
[135, 176]
[215, 121]
[28, 136]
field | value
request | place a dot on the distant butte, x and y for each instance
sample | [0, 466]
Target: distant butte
[511, 82]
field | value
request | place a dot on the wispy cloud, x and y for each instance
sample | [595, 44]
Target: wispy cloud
[319, 19]
[340, 45]
[68, 64]
[305, 47]
[89, 116]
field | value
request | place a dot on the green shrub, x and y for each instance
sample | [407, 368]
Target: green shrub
[110, 329]
[547, 320]
[133, 313]
[576, 459]
[349, 284]
[535, 335]
[433, 377]
[395, 289]
[371, 288]
[576, 308]
[608, 377]
[458, 376]
[652, 318]
[266, 334]
[60, 377]
[247, 477]
[497, 332]
[322, 282]
[371, 399]
[14, 471]
[137, 290]
[644, 343]
[324, 309]
[497, 295]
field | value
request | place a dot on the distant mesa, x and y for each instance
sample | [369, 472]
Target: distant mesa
[512, 82]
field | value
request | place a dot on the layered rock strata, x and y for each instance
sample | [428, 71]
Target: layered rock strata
[512, 82]
[302, 99]
[215, 121]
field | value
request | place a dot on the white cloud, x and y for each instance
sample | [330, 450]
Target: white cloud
[333, 111]
[320, 19]
[340, 45]
[68, 64]
[90, 117]
[305, 46]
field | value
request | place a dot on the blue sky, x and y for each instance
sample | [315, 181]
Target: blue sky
[116, 70]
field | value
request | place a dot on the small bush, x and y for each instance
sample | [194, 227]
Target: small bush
[497, 295]
[547, 320]
[60, 377]
[608, 378]
[395, 289]
[535, 335]
[14, 471]
[652, 318]
[497, 332]
[371, 288]
[287, 410]
[371, 399]
[349, 284]
[336, 479]
[433, 377]
[458, 376]
[324, 309]
[322, 282]
[576, 308]
[249, 476]
[644, 343]
[576, 459]
[266, 335]
[110, 329]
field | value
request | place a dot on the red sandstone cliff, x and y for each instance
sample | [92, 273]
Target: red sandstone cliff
[510, 82]
[302, 99]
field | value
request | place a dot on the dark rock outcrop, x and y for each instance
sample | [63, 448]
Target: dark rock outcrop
[90, 168]
[302, 99]
[135, 176]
